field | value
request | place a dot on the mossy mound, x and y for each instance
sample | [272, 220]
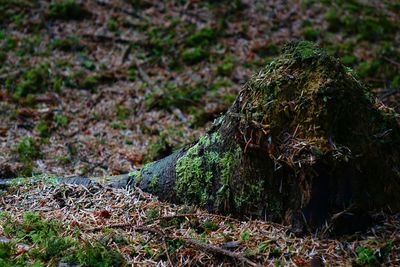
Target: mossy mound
[303, 139]
[323, 131]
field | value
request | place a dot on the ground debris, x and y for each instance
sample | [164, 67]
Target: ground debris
[161, 234]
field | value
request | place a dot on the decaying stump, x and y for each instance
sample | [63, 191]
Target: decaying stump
[304, 139]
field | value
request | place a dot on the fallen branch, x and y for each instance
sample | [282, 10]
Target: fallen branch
[188, 241]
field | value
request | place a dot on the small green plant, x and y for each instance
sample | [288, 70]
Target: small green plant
[27, 149]
[366, 256]
[49, 246]
[209, 226]
[3, 57]
[158, 149]
[67, 10]
[35, 80]
[9, 44]
[349, 59]
[112, 25]
[245, 235]
[96, 255]
[201, 37]
[174, 96]
[193, 55]
[118, 126]
[267, 50]
[122, 112]
[90, 82]
[43, 128]
[152, 213]
[132, 74]
[333, 19]
[226, 67]
[68, 44]
[311, 34]
[60, 120]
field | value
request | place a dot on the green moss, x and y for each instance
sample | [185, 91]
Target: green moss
[193, 182]
[132, 73]
[68, 44]
[227, 163]
[154, 183]
[333, 19]
[90, 82]
[137, 176]
[43, 128]
[158, 149]
[10, 43]
[3, 57]
[28, 149]
[303, 51]
[225, 68]
[366, 256]
[122, 112]
[349, 59]
[116, 125]
[96, 255]
[60, 120]
[201, 37]
[112, 25]
[173, 96]
[49, 246]
[35, 80]
[194, 55]
[67, 10]
[311, 34]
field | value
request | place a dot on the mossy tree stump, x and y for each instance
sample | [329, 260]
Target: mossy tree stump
[304, 139]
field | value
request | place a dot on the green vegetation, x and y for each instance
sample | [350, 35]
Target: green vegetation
[27, 149]
[173, 96]
[245, 236]
[194, 55]
[67, 10]
[51, 243]
[366, 256]
[311, 34]
[43, 128]
[193, 185]
[158, 149]
[112, 25]
[226, 67]
[122, 112]
[202, 37]
[14, 10]
[34, 80]
[60, 120]
[67, 44]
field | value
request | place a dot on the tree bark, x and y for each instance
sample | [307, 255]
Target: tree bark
[304, 140]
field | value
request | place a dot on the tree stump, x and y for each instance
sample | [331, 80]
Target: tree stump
[303, 141]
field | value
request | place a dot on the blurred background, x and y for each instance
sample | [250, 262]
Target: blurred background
[101, 87]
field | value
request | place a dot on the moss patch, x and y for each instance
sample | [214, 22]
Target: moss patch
[48, 245]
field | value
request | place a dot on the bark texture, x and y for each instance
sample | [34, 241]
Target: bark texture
[304, 139]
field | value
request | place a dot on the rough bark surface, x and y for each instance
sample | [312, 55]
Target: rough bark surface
[304, 139]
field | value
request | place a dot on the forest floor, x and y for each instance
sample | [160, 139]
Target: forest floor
[97, 88]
